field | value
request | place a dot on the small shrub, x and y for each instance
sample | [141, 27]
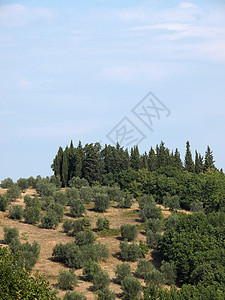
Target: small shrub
[115, 194]
[102, 224]
[100, 280]
[29, 255]
[10, 233]
[74, 296]
[50, 220]
[143, 268]
[143, 248]
[130, 252]
[154, 277]
[169, 272]
[196, 206]
[173, 202]
[72, 194]
[45, 188]
[95, 252]
[86, 194]
[89, 269]
[32, 214]
[67, 280]
[101, 202]
[23, 184]
[171, 221]
[16, 212]
[128, 231]
[77, 208]
[85, 238]
[150, 211]
[106, 294]
[60, 198]
[13, 192]
[67, 225]
[145, 200]
[128, 200]
[155, 225]
[152, 239]
[69, 254]
[78, 182]
[83, 224]
[131, 288]
[3, 203]
[123, 270]
[6, 183]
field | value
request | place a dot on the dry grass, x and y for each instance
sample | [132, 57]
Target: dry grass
[49, 238]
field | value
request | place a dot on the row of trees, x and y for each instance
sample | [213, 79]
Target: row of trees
[92, 162]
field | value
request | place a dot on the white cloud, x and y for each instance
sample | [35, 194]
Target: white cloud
[17, 15]
[187, 5]
[25, 84]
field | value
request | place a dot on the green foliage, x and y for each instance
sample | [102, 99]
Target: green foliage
[173, 202]
[130, 252]
[78, 183]
[10, 233]
[123, 270]
[67, 225]
[72, 194]
[45, 188]
[77, 208]
[143, 248]
[102, 224]
[16, 212]
[101, 202]
[106, 294]
[74, 296]
[86, 194]
[196, 206]
[131, 288]
[85, 238]
[143, 268]
[115, 194]
[23, 184]
[16, 282]
[152, 239]
[67, 280]
[169, 272]
[100, 280]
[32, 212]
[145, 200]
[89, 269]
[154, 277]
[3, 203]
[13, 192]
[83, 224]
[155, 225]
[6, 183]
[60, 198]
[126, 201]
[150, 211]
[96, 252]
[128, 232]
[53, 216]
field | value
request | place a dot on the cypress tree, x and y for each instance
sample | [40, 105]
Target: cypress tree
[152, 160]
[209, 161]
[177, 160]
[135, 158]
[189, 164]
[57, 163]
[65, 168]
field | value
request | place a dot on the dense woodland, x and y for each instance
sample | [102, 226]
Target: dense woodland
[190, 246]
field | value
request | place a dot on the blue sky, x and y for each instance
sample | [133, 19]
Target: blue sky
[75, 69]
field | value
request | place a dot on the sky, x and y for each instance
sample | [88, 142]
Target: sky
[135, 71]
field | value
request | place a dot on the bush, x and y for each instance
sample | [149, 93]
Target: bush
[67, 225]
[32, 215]
[128, 200]
[29, 254]
[100, 280]
[77, 208]
[23, 184]
[128, 231]
[16, 212]
[89, 269]
[13, 192]
[83, 224]
[173, 202]
[56, 181]
[154, 277]
[50, 220]
[115, 194]
[143, 268]
[130, 252]
[150, 211]
[101, 202]
[171, 221]
[123, 270]
[3, 203]
[10, 233]
[95, 252]
[74, 296]
[72, 194]
[67, 280]
[145, 200]
[45, 188]
[106, 294]
[78, 182]
[60, 198]
[6, 183]
[196, 206]
[69, 254]
[85, 238]
[102, 224]
[152, 239]
[86, 194]
[131, 288]
[155, 225]
[31, 182]
[169, 272]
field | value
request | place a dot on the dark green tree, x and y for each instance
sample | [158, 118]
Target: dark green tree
[188, 163]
